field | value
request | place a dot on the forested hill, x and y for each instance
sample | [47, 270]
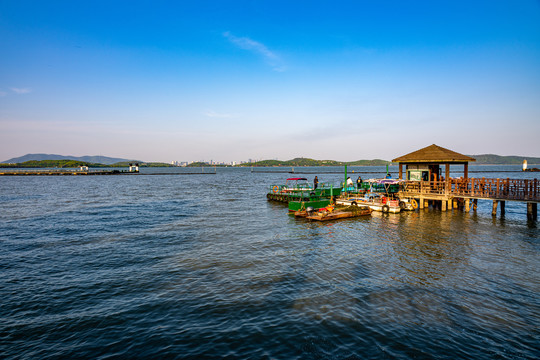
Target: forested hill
[98, 159]
[485, 159]
[491, 159]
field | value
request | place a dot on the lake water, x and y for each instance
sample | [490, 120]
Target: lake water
[203, 266]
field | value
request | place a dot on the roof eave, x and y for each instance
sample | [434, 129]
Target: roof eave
[460, 161]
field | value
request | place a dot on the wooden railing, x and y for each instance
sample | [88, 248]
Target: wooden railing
[510, 189]
[425, 187]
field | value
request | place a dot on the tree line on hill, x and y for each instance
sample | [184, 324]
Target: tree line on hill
[490, 159]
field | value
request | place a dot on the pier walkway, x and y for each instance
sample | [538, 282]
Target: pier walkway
[53, 172]
[60, 172]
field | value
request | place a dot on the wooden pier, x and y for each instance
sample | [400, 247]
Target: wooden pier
[453, 193]
[59, 172]
[424, 180]
[71, 172]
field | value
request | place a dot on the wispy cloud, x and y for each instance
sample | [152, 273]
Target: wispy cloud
[3, 93]
[21, 90]
[213, 114]
[258, 48]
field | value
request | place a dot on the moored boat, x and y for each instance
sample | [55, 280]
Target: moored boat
[313, 202]
[387, 186]
[374, 201]
[331, 213]
[299, 189]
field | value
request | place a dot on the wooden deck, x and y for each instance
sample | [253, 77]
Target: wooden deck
[488, 189]
[450, 193]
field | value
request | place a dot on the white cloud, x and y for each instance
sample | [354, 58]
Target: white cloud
[21, 90]
[258, 48]
[213, 114]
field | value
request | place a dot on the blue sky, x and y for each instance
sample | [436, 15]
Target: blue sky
[232, 80]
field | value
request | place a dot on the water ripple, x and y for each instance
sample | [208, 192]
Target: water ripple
[205, 267]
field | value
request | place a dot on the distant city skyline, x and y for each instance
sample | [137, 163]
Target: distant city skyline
[481, 159]
[342, 81]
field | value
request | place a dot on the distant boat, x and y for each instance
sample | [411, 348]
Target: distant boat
[524, 165]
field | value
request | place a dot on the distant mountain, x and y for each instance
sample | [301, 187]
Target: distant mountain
[491, 159]
[91, 159]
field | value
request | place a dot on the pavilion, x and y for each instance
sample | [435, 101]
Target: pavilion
[425, 164]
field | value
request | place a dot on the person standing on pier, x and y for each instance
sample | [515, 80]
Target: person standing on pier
[315, 183]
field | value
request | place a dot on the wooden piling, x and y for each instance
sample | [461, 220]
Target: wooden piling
[503, 205]
[475, 204]
[467, 208]
[532, 211]
[443, 205]
[494, 209]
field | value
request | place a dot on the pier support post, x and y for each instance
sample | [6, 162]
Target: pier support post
[467, 208]
[421, 203]
[503, 205]
[475, 204]
[443, 205]
[532, 211]
[455, 203]
[426, 203]
[494, 210]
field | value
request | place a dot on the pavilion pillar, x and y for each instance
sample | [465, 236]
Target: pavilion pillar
[400, 171]
[447, 186]
[466, 171]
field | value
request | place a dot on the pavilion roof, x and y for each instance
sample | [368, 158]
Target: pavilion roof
[434, 153]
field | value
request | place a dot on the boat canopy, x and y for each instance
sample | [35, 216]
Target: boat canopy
[384, 181]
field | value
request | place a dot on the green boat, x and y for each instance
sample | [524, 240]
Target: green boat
[295, 206]
[314, 203]
[299, 189]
